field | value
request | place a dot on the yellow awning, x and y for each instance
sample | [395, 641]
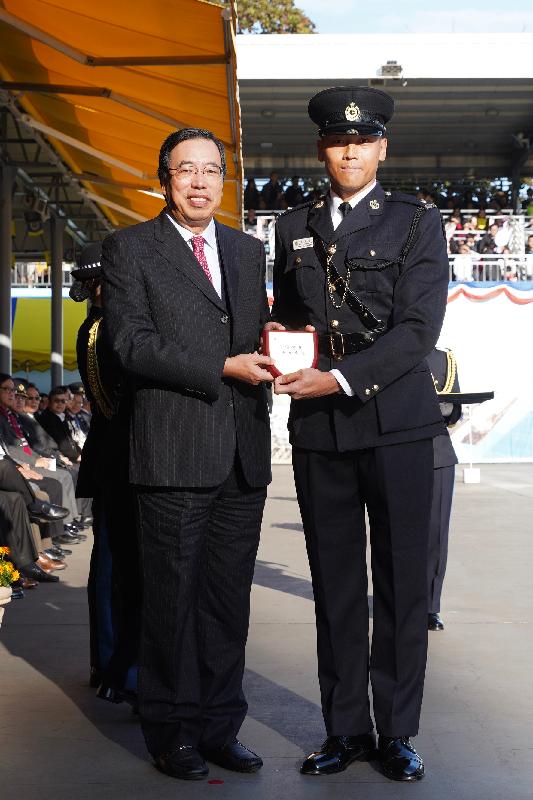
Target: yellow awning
[106, 81]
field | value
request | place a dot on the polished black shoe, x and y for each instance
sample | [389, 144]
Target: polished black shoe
[112, 695]
[86, 521]
[435, 623]
[184, 762]
[17, 593]
[42, 511]
[234, 756]
[70, 530]
[399, 759]
[338, 752]
[66, 538]
[55, 554]
[35, 573]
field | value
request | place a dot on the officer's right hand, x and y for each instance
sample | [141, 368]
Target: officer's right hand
[249, 368]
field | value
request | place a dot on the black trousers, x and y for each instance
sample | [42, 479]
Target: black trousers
[114, 587]
[395, 485]
[15, 529]
[441, 509]
[198, 549]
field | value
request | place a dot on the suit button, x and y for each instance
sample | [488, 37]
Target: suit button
[367, 391]
[372, 252]
[298, 260]
[224, 318]
[375, 387]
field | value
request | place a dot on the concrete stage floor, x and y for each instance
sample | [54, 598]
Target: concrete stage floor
[59, 742]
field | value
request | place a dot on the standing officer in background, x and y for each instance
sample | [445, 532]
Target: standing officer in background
[443, 368]
[114, 586]
[368, 270]
[185, 304]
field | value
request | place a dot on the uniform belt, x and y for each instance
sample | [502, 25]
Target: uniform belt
[336, 345]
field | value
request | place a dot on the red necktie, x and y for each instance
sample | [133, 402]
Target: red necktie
[17, 430]
[198, 250]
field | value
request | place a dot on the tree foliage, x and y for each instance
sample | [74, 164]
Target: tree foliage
[272, 16]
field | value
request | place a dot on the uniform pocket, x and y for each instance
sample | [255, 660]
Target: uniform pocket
[374, 269]
[306, 271]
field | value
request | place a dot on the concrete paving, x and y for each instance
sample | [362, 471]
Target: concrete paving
[58, 741]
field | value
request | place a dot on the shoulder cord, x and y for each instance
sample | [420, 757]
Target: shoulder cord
[93, 372]
[451, 372]
[369, 320]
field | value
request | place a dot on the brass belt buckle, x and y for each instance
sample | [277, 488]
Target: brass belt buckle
[337, 351]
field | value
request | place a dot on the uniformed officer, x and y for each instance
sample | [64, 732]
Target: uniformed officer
[443, 368]
[114, 587]
[368, 270]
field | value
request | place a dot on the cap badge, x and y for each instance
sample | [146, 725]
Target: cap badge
[374, 204]
[351, 112]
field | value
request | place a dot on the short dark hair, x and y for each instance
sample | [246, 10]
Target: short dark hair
[5, 377]
[182, 136]
[57, 390]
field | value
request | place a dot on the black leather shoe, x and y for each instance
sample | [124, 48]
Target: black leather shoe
[66, 538]
[70, 530]
[57, 552]
[86, 521]
[399, 759]
[184, 762]
[234, 756]
[42, 511]
[17, 593]
[435, 623]
[106, 692]
[338, 752]
[35, 573]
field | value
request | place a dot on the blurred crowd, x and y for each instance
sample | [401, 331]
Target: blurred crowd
[41, 441]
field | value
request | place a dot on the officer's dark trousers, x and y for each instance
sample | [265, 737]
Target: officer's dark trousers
[114, 588]
[395, 485]
[198, 549]
[439, 528]
[15, 529]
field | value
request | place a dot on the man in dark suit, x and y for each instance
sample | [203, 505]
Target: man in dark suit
[53, 420]
[443, 368]
[368, 270]
[185, 302]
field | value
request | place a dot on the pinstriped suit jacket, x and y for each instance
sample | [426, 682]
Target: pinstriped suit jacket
[172, 333]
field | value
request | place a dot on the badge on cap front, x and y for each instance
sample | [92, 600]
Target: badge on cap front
[351, 112]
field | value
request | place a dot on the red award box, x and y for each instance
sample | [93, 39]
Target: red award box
[291, 350]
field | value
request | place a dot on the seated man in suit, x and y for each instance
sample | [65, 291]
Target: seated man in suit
[185, 304]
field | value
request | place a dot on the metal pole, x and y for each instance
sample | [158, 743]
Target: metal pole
[57, 229]
[6, 256]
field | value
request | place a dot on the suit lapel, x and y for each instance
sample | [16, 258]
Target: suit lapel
[319, 220]
[229, 263]
[170, 244]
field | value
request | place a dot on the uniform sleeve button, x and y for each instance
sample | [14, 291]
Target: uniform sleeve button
[367, 391]
[372, 253]
[375, 387]
[224, 318]
[298, 260]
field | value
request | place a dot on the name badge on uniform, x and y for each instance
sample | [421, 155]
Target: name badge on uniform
[299, 244]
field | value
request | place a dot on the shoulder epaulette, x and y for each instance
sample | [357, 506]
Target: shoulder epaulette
[403, 197]
[301, 206]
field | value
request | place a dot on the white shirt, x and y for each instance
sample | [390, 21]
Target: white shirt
[336, 218]
[210, 249]
[335, 201]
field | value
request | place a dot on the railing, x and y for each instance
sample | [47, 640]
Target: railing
[31, 274]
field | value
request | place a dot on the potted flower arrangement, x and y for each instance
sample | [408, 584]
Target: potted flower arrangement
[8, 576]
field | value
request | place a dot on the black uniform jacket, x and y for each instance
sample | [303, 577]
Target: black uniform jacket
[104, 459]
[394, 398]
[172, 333]
[439, 364]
